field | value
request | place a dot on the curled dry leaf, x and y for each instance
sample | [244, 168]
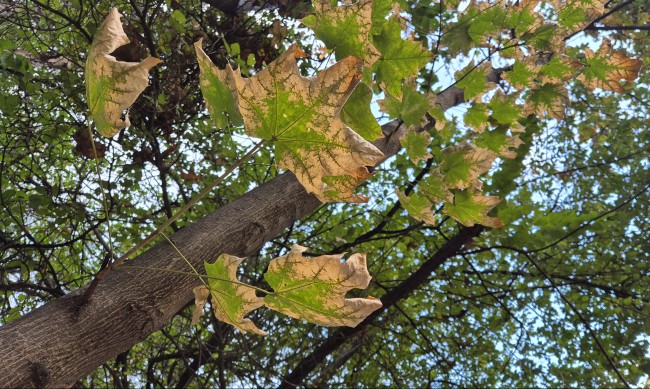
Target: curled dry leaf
[111, 85]
[314, 289]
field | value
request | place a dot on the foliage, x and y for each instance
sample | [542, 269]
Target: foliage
[530, 102]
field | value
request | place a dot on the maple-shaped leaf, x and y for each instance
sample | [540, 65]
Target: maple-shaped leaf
[469, 208]
[314, 289]
[400, 58]
[499, 142]
[231, 299]
[417, 206]
[301, 116]
[345, 28]
[416, 145]
[504, 108]
[606, 69]
[411, 107]
[356, 113]
[217, 87]
[549, 99]
[111, 85]
[477, 117]
[521, 75]
[575, 15]
[461, 165]
[473, 81]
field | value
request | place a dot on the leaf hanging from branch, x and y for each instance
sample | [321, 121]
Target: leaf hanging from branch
[301, 117]
[218, 90]
[231, 299]
[314, 289]
[111, 85]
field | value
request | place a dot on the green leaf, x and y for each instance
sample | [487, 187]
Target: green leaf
[477, 117]
[231, 299]
[380, 9]
[418, 207]
[504, 109]
[314, 289]
[411, 108]
[499, 142]
[473, 81]
[301, 117]
[356, 113]
[400, 58]
[549, 99]
[520, 76]
[461, 165]
[416, 145]
[177, 20]
[345, 29]
[469, 209]
[112, 86]
[218, 90]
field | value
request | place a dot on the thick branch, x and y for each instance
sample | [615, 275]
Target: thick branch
[65, 340]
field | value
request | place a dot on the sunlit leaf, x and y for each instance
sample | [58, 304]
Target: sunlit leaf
[314, 289]
[470, 209]
[344, 28]
[217, 86]
[400, 58]
[231, 299]
[462, 165]
[356, 113]
[411, 107]
[111, 85]
[417, 206]
[301, 117]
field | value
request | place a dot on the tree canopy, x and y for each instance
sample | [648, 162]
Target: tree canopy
[466, 196]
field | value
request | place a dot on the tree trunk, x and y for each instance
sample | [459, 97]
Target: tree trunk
[65, 340]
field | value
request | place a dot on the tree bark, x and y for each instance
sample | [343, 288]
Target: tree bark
[63, 341]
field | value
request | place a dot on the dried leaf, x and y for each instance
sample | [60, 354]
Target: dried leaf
[301, 117]
[111, 85]
[231, 299]
[314, 289]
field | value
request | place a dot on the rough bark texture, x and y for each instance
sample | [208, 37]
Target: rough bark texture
[64, 340]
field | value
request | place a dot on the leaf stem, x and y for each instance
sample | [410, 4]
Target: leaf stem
[187, 273]
[102, 273]
[104, 197]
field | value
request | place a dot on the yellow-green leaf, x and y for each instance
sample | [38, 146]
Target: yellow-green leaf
[231, 299]
[314, 289]
[469, 209]
[217, 86]
[301, 116]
